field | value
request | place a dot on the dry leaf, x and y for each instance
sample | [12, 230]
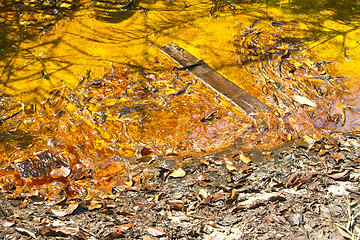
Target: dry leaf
[124, 227]
[291, 180]
[203, 180]
[340, 175]
[231, 168]
[304, 101]
[155, 232]
[244, 158]
[7, 223]
[60, 213]
[26, 232]
[344, 232]
[322, 152]
[207, 200]
[203, 193]
[218, 196]
[178, 206]
[213, 224]
[59, 232]
[178, 173]
[60, 172]
[94, 205]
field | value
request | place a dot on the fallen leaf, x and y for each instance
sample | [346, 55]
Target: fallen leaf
[322, 152]
[59, 232]
[146, 151]
[304, 101]
[60, 172]
[207, 200]
[291, 180]
[94, 205]
[231, 168]
[218, 196]
[7, 223]
[155, 232]
[124, 227]
[203, 180]
[258, 201]
[344, 232]
[60, 213]
[340, 175]
[178, 206]
[74, 190]
[213, 224]
[191, 207]
[26, 232]
[178, 173]
[289, 137]
[203, 193]
[244, 158]
[129, 188]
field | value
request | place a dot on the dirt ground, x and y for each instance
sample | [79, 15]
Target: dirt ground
[294, 192]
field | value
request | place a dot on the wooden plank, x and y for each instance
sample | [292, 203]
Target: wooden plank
[213, 79]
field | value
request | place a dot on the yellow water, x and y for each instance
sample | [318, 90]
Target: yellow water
[92, 38]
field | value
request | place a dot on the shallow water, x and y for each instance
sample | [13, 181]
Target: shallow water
[86, 79]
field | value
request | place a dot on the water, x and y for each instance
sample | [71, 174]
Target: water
[85, 80]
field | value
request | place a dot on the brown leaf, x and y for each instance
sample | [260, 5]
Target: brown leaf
[291, 180]
[155, 232]
[59, 232]
[74, 190]
[60, 213]
[244, 158]
[178, 173]
[133, 189]
[231, 168]
[146, 151]
[340, 175]
[94, 205]
[124, 227]
[178, 206]
[203, 180]
[207, 200]
[213, 224]
[26, 232]
[7, 223]
[322, 152]
[218, 196]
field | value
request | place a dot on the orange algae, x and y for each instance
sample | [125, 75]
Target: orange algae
[101, 126]
[93, 131]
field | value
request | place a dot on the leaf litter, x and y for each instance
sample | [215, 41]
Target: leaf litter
[177, 190]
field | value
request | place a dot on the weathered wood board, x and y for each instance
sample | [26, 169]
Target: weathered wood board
[213, 79]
